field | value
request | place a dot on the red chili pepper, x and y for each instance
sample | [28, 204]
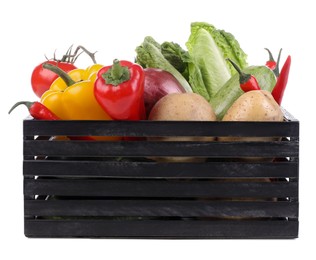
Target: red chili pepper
[37, 110]
[272, 64]
[247, 81]
[40, 112]
[279, 88]
[119, 89]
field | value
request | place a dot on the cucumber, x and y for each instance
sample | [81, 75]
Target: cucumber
[231, 90]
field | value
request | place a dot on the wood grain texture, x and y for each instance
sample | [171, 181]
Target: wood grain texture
[104, 189]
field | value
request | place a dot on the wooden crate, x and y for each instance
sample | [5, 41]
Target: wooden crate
[112, 189]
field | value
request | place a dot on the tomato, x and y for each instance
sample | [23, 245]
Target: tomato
[43, 78]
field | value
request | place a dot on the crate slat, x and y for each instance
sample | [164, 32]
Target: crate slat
[161, 208]
[158, 188]
[145, 148]
[160, 128]
[115, 169]
[162, 228]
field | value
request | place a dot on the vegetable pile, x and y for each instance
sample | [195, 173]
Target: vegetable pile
[212, 66]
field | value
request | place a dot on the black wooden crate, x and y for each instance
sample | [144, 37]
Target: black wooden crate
[112, 189]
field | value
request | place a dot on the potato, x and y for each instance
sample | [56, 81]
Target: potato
[182, 107]
[256, 105]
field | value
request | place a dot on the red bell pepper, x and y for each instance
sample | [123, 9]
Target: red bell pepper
[119, 89]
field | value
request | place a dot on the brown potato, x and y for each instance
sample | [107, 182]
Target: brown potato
[182, 107]
[256, 105]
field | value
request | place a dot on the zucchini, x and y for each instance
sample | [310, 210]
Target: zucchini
[231, 90]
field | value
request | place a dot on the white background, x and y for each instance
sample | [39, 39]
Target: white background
[31, 29]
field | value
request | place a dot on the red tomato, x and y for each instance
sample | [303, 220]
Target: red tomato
[43, 78]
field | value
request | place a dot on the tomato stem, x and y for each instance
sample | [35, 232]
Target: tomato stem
[70, 57]
[90, 54]
[66, 57]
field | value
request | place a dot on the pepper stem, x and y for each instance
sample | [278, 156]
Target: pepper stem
[65, 77]
[28, 104]
[270, 55]
[277, 69]
[243, 77]
[117, 74]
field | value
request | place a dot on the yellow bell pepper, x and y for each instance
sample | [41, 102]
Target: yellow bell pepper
[71, 95]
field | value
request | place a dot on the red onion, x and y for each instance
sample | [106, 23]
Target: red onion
[159, 83]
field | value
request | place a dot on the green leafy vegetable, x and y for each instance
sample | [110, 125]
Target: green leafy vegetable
[176, 55]
[209, 59]
[187, 66]
[203, 67]
[227, 44]
[149, 55]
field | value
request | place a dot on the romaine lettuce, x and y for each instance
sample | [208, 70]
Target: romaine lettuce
[227, 44]
[205, 53]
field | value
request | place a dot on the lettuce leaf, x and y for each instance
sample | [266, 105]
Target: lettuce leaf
[149, 55]
[184, 63]
[226, 42]
[177, 56]
[203, 67]
[208, 57]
